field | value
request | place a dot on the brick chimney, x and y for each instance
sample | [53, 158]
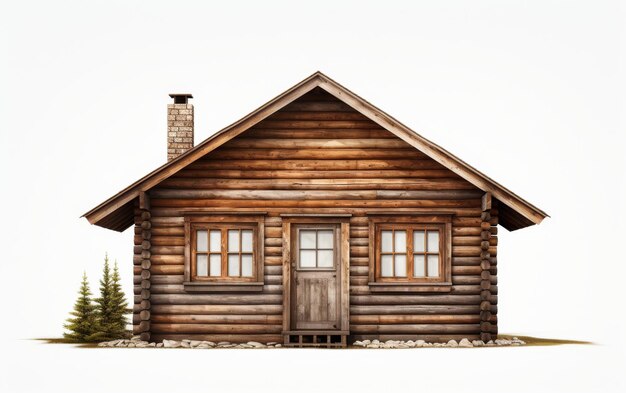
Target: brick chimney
[179, 126]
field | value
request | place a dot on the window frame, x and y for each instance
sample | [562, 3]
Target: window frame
[409, 252]
[336, 243]
[409, 223]
[224, 252]
[224, 221]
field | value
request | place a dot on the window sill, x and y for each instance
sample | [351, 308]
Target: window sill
[409, 287]
[204, 286]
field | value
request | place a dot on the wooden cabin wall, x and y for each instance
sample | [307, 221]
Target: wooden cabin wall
[317, 155]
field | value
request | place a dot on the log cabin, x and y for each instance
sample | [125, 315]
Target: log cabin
[315, 220]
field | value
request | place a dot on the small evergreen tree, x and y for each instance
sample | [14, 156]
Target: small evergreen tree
[119, 305]
[83, 324]
[111, 306]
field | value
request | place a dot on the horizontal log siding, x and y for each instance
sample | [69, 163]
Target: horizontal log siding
[316, 156]
[217, 317]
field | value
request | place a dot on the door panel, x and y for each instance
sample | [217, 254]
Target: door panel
[316, 300]
[315, 277]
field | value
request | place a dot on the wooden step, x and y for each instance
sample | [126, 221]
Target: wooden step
[317, 339]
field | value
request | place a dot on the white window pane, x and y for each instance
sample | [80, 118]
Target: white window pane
[246, 240]
[246, 265]
[202, 265]
[386, 242]
[386, 268]
[400, 241]
[433, 241]
[433, 265]
[201, 241]
[233, 265]
[233, 240]
[400, 265]
[216, 241]
[418, 240]
[325, 258]
[307, 239]
[325, 239]
[418, 266]
[307, 258]
[215, 268]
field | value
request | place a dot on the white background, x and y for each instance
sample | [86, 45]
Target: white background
[532, 93]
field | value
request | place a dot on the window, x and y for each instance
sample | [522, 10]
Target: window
[316, 248]
[410, 251]
[223, 253]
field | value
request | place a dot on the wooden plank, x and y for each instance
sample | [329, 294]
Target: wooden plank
[359, 271]
[221, 299]
[144, 200]
[225, 153]
[273, 251]
[422, 170]
[358, 212]
[273, 270]
[403, 309]
[273, 242]
[178, 259]
[325, 115]
[313, 165]
[318, 106]
[314, 124]
[163, 279]
[359, 241]
[216, 309]
[466, 270]
[317, 203]
[486, 201]
[388, 299]
[471, 251]
[163, 222]
[167, 240]
[199, 328]
[313, 194]
[273, 232]
[217, 319]
[345, 276]
[168, 231]
[359, 261]
[408, 184]
[416, 329]
[413, 319]
[274, 259]
[319, 133]
[180, 290]
[167, 250]
[286, 272]
[246, 143]
[166, 269]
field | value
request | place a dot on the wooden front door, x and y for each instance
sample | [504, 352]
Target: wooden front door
[315, 286]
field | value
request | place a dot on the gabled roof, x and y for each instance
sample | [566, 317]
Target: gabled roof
[117, 212]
